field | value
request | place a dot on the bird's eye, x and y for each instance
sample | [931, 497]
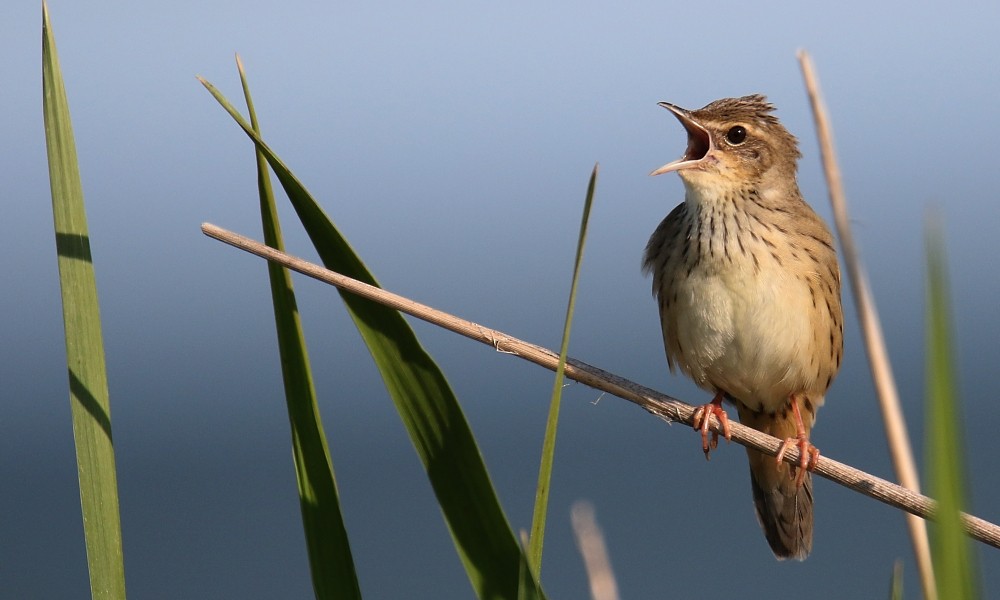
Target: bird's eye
[736, 135]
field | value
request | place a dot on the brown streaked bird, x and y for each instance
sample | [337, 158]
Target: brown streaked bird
[748, 286]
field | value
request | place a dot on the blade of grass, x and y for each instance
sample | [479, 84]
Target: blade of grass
[426, 404]
[537, 539]
[330, 561]
[896, 581]
[88, 381]
[954, 559]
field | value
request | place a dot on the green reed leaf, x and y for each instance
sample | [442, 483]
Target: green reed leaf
[425, 402]
[88, 381]
[330, 561]
[953, 555]
[537, 540]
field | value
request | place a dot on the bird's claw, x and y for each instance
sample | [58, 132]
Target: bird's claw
[808, 456]
[702, 416]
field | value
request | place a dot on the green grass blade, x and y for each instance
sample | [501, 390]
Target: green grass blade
[88, 382]
[953, 555]
[896, 581]
[537, 539]
[426, 405]
[330, 561]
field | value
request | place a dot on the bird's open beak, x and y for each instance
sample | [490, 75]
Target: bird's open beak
[699, 142]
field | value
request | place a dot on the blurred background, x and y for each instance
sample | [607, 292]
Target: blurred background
[452, 144]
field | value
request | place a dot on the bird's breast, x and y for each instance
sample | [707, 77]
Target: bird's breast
[745, 333]
[740, 316]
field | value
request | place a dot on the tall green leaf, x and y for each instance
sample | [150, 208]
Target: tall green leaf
[330, 560]
[88, 382]
[953, 554]
[426, 404]
[896, 581]
[537, 539]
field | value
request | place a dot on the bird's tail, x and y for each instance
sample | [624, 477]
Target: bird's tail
[784, 509]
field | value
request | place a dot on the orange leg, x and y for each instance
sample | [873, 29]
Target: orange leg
[703, 415]
[808, 454]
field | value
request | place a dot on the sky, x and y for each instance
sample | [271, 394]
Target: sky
[452, 143]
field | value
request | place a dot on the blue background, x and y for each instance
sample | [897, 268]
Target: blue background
[452, 145]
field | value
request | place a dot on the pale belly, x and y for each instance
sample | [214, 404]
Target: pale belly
[747, 334]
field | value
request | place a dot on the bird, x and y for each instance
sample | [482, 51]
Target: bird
[747, 281]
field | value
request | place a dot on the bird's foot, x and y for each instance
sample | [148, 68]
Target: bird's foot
[702, 416]
[808, 454]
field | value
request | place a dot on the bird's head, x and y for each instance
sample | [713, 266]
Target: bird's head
[733, 143]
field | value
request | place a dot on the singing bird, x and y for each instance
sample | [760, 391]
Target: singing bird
[748, 287]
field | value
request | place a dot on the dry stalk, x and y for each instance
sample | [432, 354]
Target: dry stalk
[878, 357]
[590, 540]
[659, 404]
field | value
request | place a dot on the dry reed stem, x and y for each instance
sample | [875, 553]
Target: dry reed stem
[900, 448]
[595, 554]
[659, 404]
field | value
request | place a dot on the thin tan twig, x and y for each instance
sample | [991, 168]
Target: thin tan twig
[590, 540]
[878, 357]
[657, 403]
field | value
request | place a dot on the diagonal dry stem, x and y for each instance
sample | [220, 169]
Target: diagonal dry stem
[661, 405]
[878, 357]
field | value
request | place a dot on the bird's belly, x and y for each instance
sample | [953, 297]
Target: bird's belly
[748, 334]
